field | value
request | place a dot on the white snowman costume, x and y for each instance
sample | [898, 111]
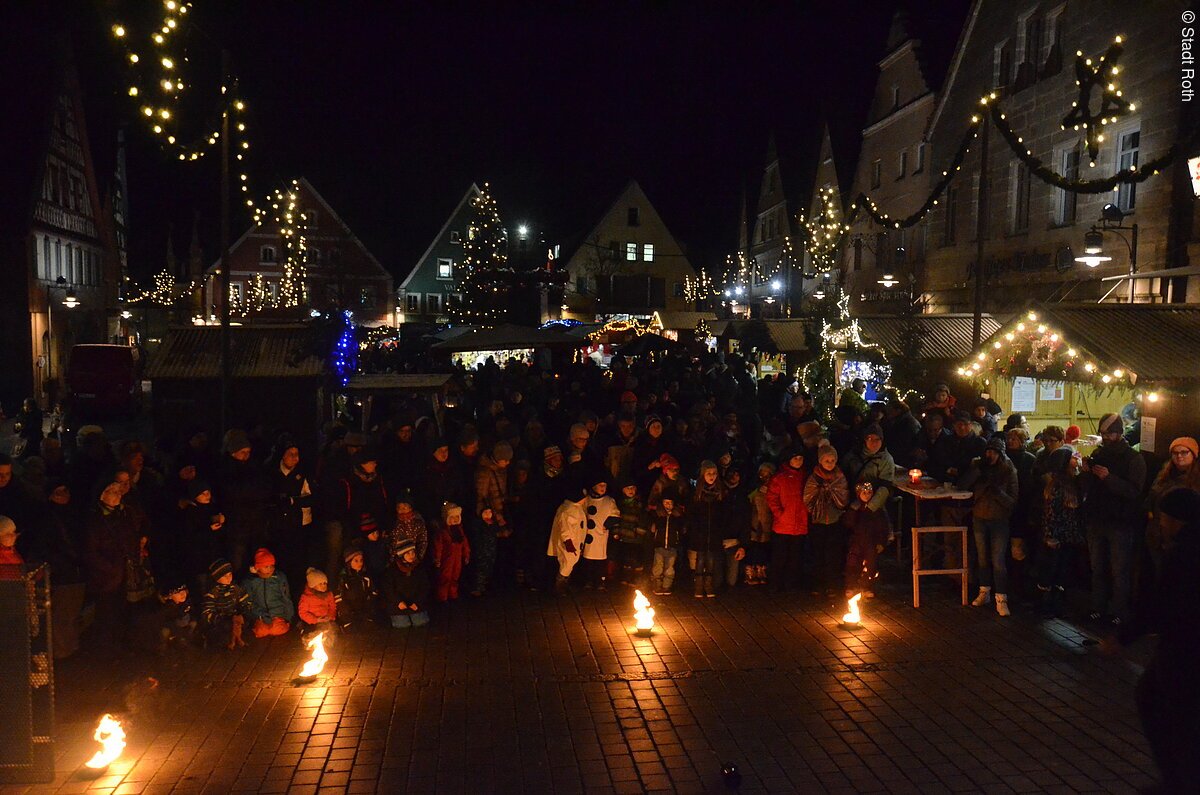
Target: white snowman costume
[599, 511]
[570, 524]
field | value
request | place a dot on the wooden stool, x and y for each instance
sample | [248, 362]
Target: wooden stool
[918, 572]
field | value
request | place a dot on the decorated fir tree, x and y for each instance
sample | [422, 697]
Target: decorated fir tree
[485, 257]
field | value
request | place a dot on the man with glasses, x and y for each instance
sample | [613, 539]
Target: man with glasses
[1112, 479]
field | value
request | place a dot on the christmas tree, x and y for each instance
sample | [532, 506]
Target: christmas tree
[485, 258]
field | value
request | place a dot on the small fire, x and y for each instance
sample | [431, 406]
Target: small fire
[319, 657]
[111, 737]
[643, 613]
[853, 617]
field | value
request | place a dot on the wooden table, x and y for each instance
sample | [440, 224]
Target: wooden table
[937, 493]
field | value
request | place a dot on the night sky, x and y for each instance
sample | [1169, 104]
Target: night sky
[393, 109]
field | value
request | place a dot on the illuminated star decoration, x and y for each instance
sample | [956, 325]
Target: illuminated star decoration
[1089, 76]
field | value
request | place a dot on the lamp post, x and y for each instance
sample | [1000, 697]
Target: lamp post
[1093, 242]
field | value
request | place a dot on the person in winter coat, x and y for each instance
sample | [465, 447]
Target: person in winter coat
[439, 481]
[244, 499]
[290, 511]
[549, 486]
[203, 533]
[485, 534]
[667, 528]
[356, 591]
[406, 589]
[736, 537]
[758, 550]
[112, 543]
[409, 526]
[826, 495]
[1180, 472]
[1025, 518]
[1062, 528]
[993, 478]
[669, 484]
[224, 607]
[270, 598]
[932, 452]
[362, 505]
[647, 453]
[902, 432]
[631, 535]
[1112, 480]
[789, 525]
[9, 556]
[707, 517]
[868, 531]
[940, 402]
[318, 605]
[68, 581]
[491, 482]
[451, 551]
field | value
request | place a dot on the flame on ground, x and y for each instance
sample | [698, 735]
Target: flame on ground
[643, 612]
[853, 617]
[316, 663]
[111, 737]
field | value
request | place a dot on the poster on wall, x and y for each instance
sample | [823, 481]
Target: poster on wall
[1052, 390]
[1147, 437]
[1024, 394]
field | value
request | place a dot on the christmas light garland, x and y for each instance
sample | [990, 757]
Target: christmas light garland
[485, 257]
[1031, 347]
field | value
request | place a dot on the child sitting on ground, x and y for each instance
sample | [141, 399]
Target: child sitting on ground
[868, 533]
[178, 623]
[451, 551]
[406, 588]
[318, 607]
[224, 607]
[269, 594]
[356, 592]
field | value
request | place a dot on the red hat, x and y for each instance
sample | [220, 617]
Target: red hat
[1072, 433]
[628, 396]
[263, 557]
[668, 461]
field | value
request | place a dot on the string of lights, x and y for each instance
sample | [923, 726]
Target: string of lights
[485, 257]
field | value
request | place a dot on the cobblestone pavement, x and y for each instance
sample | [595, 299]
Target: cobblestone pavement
[527, 693]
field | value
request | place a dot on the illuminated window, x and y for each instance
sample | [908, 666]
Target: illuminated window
[648, 252]
[445, 268]
[631, 252]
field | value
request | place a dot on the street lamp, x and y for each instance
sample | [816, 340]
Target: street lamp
[1111, 217]
[889, 281]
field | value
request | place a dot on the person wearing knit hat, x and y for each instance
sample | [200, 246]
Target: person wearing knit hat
[406, 588]
[451, 551]
[1071, 435]
[270, 598]
[408, 524]
[707, 519]
[224, 608]
[318, 605]
[356, 591]
[761, 521]
[669, 484]
[993, 479]
[1180, 471]
[235, 441]
[502, 451]
[826, 495]
[550, 452]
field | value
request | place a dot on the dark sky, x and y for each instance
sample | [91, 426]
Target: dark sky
[392, 109]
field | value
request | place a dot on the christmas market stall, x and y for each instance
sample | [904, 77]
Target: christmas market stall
[925, 349]
[774, 346]
[377, 395]
[681, 326]
[501, 343]
[277, 380]
[1069, 364]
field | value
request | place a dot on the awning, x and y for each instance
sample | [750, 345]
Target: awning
[943, 336]
[398, 382]
[680, 320]
[1106, 345]
[194, 352]
[506, 338]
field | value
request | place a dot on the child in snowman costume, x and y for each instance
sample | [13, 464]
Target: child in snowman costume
[580, 529]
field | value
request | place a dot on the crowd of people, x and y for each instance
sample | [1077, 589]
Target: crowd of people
[648, 474]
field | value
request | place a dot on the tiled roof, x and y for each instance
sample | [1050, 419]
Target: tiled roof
[1160, 343]
[943, 336]
[194, 352]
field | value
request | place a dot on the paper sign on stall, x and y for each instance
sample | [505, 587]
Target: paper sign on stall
[1024, 394]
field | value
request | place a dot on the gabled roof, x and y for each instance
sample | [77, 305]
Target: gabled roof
[353, 238]
[1153, 343]
[194, 352]
[948, 84]
[943, 336]
[632, 190]
[681, 320]
[471, 193]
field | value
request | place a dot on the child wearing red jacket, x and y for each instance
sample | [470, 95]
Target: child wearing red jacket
[451, 551]
[318, 606]
[868, 533]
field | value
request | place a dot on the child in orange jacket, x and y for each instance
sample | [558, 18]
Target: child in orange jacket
[318, 606]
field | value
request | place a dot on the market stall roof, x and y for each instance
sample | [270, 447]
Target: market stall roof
[505, 338]
[789, 336]
[398, 382]
[680, 320]
[943, 336]
[1138, 344]
[194, 352]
